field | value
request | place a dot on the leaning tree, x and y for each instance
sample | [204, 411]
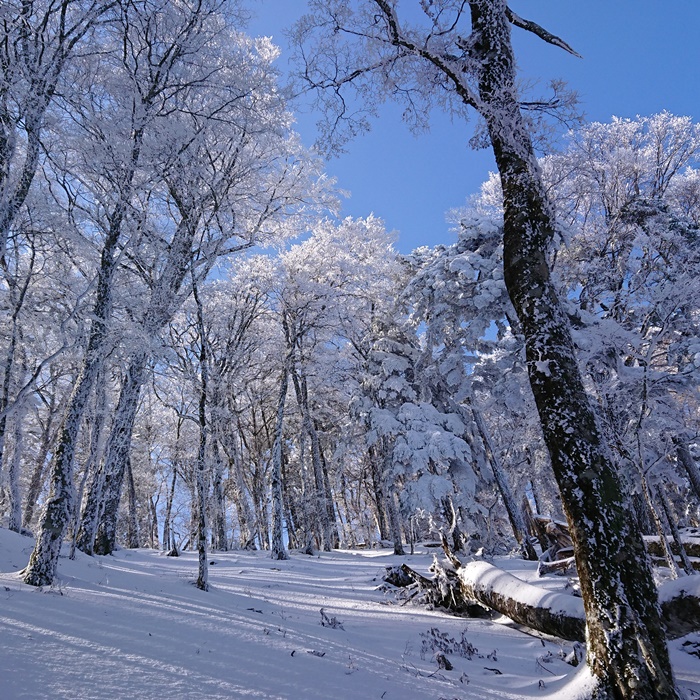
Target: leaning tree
[458, 55]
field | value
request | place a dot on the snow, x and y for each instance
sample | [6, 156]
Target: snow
[133, 625]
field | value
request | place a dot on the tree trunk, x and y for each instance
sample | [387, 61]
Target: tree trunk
[278, 550]
[321, 508]
[378, 495]
[168, 537]
[117, 454]
[153, 523]
[92, 466]
[660, 530]
[668, 516]
[627, 648]
[514, 514]
[391, 507]
[219, 502]
[132, 526]
[15, 519]
[686, 460]
[240, 498]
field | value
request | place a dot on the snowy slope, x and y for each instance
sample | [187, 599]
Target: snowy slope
[133, 626]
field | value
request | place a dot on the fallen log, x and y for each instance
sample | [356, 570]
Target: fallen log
[557, 614]
[691, 544]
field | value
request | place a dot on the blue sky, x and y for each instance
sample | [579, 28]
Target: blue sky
[639, 57]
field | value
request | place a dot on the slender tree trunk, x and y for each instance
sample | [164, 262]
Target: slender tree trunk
[116, 457]
[333, 535]
[202, 473]
[37, 478]
[240, 498]
[278, 549]
[661, 531]
[92, 471]
[168, 538]
[626, 645]
[321, 510]
[219, 502]
[514, 513]
[668, 515]
[391, 508]
[688, 463]
[378, 493]
[153, 524]
[132, 523]
[15, 519]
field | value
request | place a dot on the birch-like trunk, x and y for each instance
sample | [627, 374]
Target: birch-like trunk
[15, 516]
[132, 523]
[104, 496]
[246, 519]
[218, 506]
[278, 550]
[168, 537]
[685, 459]
[321, 508]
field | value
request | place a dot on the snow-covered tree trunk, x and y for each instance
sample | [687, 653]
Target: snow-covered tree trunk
[246, 519]
[321, 506]
[378, 492]
[37, 477]
[153, 539]
[92, 469]
[333, 535]
[673, 527]
[390, 496]
[515, 516]
[168, 536]
[689, 465]
[15, 516]
[626, 646]
[278, 550]
[660, 530]
[202, 475]
[132, 523]
[108, 492]
[218, 506]
[41, 569]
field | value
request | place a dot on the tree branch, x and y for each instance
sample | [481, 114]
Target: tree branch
[541, 32]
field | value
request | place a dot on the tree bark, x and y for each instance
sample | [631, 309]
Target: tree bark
[668, 516]
[108, 491]
[132, 528]
[686, 460]
[627, 649]
[278, 550]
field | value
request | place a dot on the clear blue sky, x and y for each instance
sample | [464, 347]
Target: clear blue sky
[639, 57]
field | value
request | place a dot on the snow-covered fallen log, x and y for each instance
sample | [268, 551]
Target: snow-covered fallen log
[680, 605]
[691, 544]
[557, 614]
[561, 614]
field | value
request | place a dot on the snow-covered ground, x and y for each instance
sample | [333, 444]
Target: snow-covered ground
[133, 626]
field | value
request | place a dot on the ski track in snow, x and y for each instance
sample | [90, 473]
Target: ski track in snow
[133, 626]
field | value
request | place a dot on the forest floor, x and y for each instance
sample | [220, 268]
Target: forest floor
[133, 625]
